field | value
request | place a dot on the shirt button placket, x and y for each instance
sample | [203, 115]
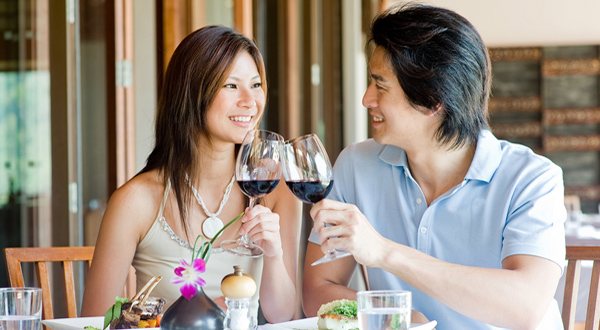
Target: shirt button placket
[422, 240]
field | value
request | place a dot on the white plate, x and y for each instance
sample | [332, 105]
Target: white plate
[77, 323]
[311, 324]
[98, 321]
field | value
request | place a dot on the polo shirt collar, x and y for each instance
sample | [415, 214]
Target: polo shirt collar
[485, 161]
[487, 157]
[393, 155]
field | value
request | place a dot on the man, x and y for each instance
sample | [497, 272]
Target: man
[434, 203]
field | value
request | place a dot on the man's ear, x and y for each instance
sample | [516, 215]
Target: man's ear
[434, 112]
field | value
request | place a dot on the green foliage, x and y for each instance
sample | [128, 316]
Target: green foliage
[114, 312]
[347, 308]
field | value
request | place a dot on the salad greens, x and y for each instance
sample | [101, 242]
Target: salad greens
[347, 308]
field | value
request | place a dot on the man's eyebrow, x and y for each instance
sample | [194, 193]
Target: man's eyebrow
[378, 78]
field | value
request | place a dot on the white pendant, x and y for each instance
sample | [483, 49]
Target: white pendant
[211, 226]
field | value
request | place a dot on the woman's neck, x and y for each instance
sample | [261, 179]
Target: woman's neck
[215, 164]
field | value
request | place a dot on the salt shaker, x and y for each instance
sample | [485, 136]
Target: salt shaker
[238, 289]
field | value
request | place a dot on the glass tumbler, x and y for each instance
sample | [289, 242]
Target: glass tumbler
[379, 310]
[20, 308]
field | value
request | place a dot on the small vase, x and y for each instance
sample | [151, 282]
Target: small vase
[200, 312]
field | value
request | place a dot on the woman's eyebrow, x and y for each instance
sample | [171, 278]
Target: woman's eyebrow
[236, 78]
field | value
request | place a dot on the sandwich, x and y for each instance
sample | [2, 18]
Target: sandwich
[338, 315]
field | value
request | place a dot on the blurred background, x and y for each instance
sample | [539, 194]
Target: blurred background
[79, 81]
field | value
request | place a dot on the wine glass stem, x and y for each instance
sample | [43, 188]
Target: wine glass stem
[246, 238]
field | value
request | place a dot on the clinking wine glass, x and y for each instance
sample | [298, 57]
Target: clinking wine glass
[308, 174]
[257, 171]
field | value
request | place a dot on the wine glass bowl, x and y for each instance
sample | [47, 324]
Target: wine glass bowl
[257, 172]
[307, 170]
[309, 176]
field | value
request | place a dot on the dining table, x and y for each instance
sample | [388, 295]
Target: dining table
[80, 323]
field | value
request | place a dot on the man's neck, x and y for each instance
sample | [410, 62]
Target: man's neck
[437, 170]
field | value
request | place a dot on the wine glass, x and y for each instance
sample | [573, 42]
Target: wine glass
[308, 174]
[257, 171]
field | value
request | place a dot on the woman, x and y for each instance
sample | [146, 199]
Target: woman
[213, 93]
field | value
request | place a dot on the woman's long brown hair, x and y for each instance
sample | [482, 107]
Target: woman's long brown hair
[196, 72]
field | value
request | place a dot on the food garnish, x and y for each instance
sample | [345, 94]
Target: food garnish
[338, 315]
[114, 312]
[89, 327]
[347, 307]
[142, 311]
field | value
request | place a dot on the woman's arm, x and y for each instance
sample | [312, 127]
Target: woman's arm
[278, 233]
[128, 216]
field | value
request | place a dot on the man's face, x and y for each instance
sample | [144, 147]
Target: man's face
[395, 121]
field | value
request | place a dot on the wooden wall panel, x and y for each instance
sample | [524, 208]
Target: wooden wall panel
[548, 98]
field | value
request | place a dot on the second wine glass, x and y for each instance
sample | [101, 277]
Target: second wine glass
[257, 171]
[308, 174]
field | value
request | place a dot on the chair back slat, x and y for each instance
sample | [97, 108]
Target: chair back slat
[70, 288]
[40, 257]
[593, 310]
[571, 292]
[43, 281]
[575, 254]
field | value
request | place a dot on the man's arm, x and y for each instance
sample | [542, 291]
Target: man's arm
[516, 296]
[325, 282]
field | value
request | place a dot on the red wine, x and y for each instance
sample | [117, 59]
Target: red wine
[257, 188]
[310, 191]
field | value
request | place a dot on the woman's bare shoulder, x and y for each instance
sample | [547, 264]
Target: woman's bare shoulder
[141, 195]
[144, 185]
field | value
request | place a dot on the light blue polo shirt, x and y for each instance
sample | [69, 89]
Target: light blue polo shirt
[510, 202]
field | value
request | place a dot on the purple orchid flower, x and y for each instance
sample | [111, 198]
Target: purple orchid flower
[189, 276]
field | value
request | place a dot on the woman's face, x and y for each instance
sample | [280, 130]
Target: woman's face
[239, 103]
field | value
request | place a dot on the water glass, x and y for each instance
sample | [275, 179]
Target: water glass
[20, 308]
[379, 310]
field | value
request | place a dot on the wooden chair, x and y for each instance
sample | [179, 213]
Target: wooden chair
[574, 256]
[40, 257]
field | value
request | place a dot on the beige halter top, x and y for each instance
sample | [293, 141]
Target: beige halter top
[159, 253]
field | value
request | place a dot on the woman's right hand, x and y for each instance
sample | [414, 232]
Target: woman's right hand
[263, 226]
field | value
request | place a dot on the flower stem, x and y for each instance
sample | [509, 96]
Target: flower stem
[207, 250]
